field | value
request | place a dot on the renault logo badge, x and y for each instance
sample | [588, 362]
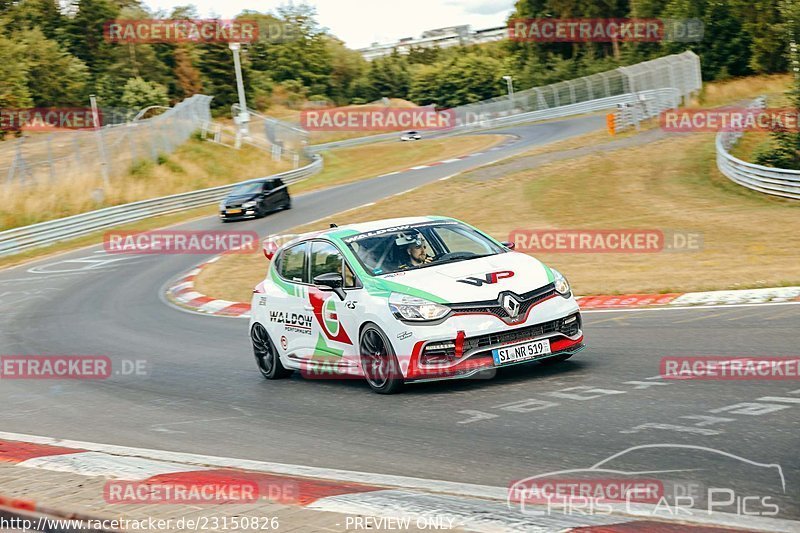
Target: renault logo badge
[511, 305]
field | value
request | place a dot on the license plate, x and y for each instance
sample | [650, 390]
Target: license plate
[521, 352]
[233, 211]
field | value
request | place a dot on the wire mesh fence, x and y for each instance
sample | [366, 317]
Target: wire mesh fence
[284, 140]
[680, 71]
[109, 151]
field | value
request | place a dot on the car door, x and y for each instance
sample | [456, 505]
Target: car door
[268, 201]
[335, 320]
[291, 315]
[281, 194]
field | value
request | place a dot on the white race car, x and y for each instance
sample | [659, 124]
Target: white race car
[410, 136]
[408, 300]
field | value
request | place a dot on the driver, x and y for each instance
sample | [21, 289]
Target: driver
[416, 252]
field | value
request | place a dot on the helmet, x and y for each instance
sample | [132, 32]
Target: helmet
[409, 238]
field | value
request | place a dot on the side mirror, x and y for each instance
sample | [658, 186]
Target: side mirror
[509, 245]
[332, 281]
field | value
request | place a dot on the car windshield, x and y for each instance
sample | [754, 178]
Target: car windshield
[247, 188]
[419, 245]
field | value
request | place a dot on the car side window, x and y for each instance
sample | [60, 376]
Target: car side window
[292, 263]
[267, 186]
[326, 258]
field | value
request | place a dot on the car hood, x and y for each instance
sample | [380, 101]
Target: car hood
[472, 280]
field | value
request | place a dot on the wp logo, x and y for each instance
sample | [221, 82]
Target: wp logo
[490, 278]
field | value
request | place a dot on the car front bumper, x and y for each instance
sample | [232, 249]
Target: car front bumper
[244, 214]
[461, 346]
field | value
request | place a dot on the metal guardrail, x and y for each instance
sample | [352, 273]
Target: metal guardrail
[768, 180]
[44, 233]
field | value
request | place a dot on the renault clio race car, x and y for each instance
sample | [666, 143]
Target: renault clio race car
[407, 300]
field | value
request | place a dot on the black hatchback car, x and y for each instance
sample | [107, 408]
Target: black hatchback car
[254, 199]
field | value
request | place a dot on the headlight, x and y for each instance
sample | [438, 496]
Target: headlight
[561, 283]
[248, 205]
[418, 309]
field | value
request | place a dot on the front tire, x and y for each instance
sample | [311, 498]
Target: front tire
[267, 358]
[379, 362]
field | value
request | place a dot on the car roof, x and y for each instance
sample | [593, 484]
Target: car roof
[363, 227]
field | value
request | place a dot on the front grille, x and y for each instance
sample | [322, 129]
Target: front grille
[527, 300]
[442, 355]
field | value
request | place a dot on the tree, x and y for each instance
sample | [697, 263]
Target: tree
[14, 91]
[84, 33]
[346, 67]
[784, 148]
[55, 78]
[389, 76]
[303, 55]
[187, 76]
[139, 94]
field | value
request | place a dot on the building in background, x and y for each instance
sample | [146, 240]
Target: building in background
[439, 37]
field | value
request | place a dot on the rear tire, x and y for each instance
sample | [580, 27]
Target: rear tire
[267, 358]
[379, 362]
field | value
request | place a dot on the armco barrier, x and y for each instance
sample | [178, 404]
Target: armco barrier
[44, 233]
[768, 180]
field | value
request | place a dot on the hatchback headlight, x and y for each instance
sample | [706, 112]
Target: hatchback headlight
[407, 307]
[248, 205]
[561, 283]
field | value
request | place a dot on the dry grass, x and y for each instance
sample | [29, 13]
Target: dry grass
[732, 91]
[749, 240]
[195, 165]
[352, 164]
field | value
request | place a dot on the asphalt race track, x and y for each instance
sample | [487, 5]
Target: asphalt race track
[202, 392]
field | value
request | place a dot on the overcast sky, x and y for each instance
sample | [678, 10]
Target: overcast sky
[359, 23]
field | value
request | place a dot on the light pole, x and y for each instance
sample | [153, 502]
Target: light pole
[244, 116]
[510, 85]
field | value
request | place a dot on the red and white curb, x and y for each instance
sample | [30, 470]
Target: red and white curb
[451, 160]
[398, 500]
[184, 294]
